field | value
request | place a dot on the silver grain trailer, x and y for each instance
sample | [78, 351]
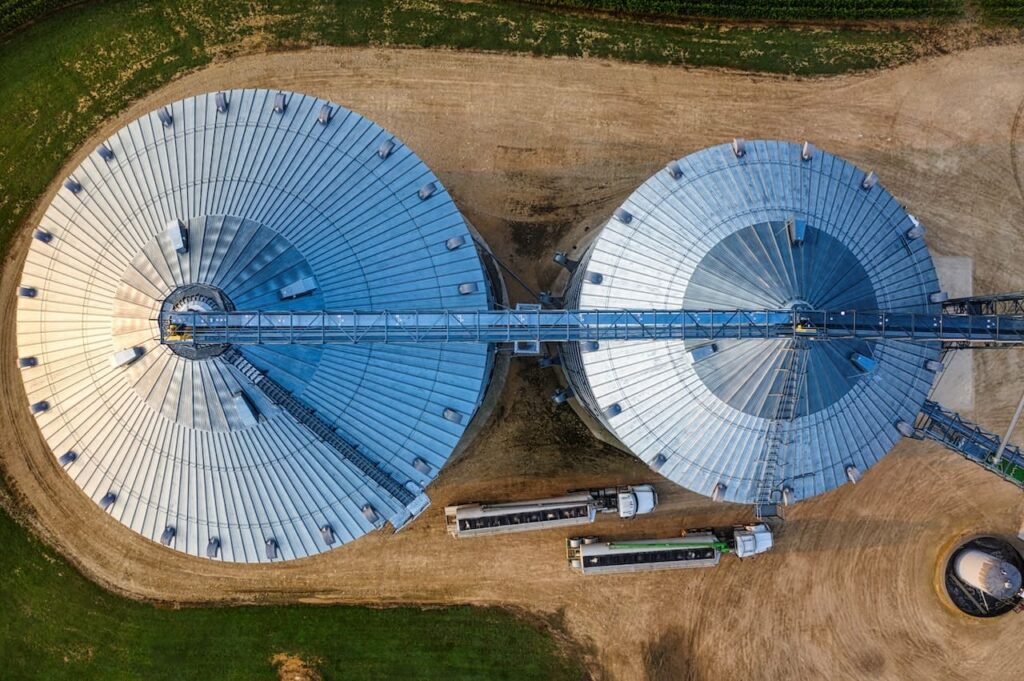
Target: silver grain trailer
[575, 508]
[694, 549]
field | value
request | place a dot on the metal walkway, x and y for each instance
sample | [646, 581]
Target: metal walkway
[1011, 303]
[533, 326]
[971, 441]
[306, 416]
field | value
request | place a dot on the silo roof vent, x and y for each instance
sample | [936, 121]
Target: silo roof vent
[426, 191]
[327, 534]
[324, 117]
[168, 535]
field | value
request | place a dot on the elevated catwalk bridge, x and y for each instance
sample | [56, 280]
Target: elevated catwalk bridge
[546, 326]
[985, 321]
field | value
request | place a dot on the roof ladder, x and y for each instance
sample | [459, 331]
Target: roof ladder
[794, 378]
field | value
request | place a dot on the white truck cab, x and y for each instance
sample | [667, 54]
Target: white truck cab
[636, 500]
[751, 540]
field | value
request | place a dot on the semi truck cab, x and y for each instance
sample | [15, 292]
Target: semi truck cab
[636, 500]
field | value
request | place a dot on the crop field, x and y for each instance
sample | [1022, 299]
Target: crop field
[14, 13]
[992, 11]
[787, 9]
[1006, 11]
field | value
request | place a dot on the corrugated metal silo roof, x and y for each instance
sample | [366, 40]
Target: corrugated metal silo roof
[270, 196]
[716, 237]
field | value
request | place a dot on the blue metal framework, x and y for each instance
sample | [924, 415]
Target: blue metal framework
[970, 440]
[537, 325]
[507, 326]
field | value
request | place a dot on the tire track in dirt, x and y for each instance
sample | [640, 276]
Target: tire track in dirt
[1015, 156]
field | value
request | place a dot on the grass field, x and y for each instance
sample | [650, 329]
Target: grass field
[58, 625]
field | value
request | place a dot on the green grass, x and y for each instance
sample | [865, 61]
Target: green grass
[858, 10]
[55, 625]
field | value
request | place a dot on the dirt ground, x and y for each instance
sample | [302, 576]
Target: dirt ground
[535, 151]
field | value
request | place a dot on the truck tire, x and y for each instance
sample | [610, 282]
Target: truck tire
[589, 540]
[574, 543]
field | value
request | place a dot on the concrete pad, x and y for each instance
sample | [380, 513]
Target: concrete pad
[956, 274]
[954, 387]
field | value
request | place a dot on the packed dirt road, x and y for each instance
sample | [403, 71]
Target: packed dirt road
[536, 152]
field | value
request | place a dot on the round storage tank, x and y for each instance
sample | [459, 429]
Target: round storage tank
[755, 225]
[249, 199]
[997, 578]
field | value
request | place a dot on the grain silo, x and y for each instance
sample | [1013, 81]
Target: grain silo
[235, 200]
[759, 225]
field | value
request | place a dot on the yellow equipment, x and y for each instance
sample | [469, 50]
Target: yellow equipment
[804, 327]
[177, 332]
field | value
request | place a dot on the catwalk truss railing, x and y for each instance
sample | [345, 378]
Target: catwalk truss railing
[996, 304]
[971, 441]
[259, 327]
